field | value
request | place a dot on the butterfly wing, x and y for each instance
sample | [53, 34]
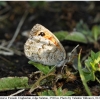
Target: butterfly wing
[42, 46]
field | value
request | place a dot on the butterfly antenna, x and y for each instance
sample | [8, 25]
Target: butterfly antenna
[69, 57]
[70, 54]
[74, 48]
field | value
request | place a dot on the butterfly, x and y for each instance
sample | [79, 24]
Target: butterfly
[43, 47]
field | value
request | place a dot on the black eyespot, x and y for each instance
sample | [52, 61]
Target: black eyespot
[42, 34]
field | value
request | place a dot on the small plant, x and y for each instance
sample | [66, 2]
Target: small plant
[48, 76]
[43, 68]
[82, 34]
[91, 35]
[92, 66]
[56, 92]
[82, 76]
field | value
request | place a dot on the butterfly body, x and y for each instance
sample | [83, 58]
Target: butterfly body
[42, 46]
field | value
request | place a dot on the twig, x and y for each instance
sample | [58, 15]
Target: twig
[37, 83]
[5, 51]
[19, 91]
[18, 29]
[70, 57]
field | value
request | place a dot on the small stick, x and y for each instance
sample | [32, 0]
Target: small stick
[18, 29]
[6, 51]
[19, 91]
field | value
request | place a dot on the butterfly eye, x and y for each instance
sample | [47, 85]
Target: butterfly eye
[41, 34]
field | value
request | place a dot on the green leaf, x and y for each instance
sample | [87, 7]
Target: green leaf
[59, 92]
[69, 93]
[77, 37]
[82, 27]
[89, 76]
[89, 38]
[92, 64]
[74, 36]
[95, 32]
[91, 35]
[10, 83]
[42, 68]
[47, 93]
[93, 55]
[61, 35]
[64, 92]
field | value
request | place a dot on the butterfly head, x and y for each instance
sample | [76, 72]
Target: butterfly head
[39, 30]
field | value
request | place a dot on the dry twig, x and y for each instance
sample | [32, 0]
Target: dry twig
[19, 91]
[5, 51]
[18, 29]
